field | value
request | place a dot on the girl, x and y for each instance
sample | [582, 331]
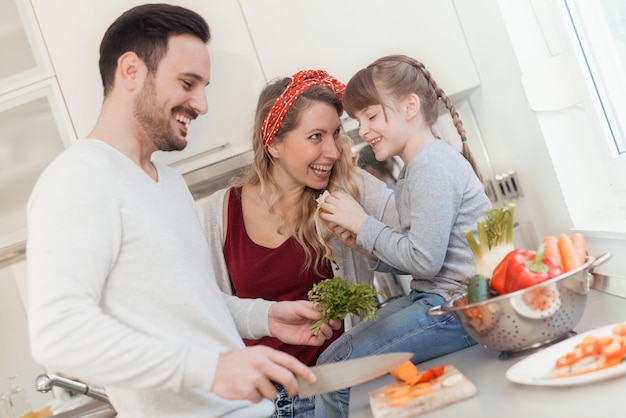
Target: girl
[265, 223]
[439, 195]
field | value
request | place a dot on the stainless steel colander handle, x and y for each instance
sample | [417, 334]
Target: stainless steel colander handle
[437, 311]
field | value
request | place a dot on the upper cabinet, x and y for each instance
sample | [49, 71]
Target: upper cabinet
[34, 125]
[236, 76]
[345, 36]
[253, 42]
[24, 59]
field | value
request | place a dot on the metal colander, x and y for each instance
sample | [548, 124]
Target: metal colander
[525, 320]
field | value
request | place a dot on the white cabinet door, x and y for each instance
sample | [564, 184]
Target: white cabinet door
[34, 127]
[24, 60]
[344, 36]
[33, 131]
[236, 77]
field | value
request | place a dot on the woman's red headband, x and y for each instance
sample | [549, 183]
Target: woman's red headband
[300, 81]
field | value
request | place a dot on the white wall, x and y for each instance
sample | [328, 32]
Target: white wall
[510, 130]
[526, 62]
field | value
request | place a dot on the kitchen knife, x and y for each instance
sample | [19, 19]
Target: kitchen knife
[344, 374]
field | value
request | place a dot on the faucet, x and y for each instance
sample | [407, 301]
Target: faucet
[45, 382]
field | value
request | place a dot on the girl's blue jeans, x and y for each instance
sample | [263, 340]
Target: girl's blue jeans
[402, 325]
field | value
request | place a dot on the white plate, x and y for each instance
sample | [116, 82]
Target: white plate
[534, 369]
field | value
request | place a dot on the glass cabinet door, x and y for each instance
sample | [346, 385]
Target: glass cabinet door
[34, 123]
[24, 59]
[32, 132]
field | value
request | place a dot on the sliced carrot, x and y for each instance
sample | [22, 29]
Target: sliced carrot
[414, 392]
[397, 390]
[620, 329]
[580, 245]
[568, 253]
[414, 380]
[405, 371]
[427, 376]
[552, 249]
[400, 401]
[420, 390]
[438, 371]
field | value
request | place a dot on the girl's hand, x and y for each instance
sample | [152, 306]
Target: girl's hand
[344, 211]
[348, 239]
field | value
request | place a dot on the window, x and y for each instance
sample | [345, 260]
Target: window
[600, 29]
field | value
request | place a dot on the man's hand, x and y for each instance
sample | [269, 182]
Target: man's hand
[291, 322]
[343, 210]
[248, 373]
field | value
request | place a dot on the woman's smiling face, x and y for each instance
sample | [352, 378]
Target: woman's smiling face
[305, 156]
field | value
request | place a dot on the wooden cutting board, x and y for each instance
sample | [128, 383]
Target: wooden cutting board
[452, 386]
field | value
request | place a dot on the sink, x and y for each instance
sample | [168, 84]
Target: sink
[84, 408]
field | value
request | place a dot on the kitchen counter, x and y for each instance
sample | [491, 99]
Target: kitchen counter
[497, 396]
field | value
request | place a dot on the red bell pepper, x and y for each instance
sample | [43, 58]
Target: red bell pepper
[499, 273]
[523, 268]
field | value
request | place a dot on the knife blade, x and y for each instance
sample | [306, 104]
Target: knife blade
[344, 374]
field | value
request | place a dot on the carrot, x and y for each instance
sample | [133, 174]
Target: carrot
[416, 391]
[620, 330]
[427, 376]
[578, 240]
[397, 391]
[401, 401]
[568, 253]
[405, 371]
[552, 249]
[438, 370]
[421, 389]
[410, 383]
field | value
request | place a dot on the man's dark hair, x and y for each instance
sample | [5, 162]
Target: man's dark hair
[145, 30]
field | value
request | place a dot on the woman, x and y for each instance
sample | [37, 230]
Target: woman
[266, 223]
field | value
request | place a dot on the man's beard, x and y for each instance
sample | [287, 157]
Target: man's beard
[157, 127]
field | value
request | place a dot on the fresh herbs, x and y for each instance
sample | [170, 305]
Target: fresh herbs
[337, 298]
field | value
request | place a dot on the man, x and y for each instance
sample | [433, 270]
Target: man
[122, 292]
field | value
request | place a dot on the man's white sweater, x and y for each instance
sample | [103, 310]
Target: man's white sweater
[122, 292]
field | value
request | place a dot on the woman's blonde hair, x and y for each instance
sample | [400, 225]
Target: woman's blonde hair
[396, 76]
[302, 226]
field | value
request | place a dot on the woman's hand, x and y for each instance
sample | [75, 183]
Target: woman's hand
[291, 322]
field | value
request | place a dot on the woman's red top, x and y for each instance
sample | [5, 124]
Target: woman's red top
[270, 273]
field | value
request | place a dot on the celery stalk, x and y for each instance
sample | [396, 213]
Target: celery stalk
[495, 238]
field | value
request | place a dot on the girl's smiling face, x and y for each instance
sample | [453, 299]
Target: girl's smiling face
[383, 130]
[305, 156]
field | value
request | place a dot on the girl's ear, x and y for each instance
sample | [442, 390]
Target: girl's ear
[413, 104]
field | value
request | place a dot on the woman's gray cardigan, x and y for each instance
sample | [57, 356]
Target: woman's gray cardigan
[375, 197]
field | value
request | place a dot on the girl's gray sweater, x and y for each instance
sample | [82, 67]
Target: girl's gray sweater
[438, 197]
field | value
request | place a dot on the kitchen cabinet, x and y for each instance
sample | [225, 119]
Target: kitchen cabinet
[34, 127]
[236, 76]
[33, 131]
[24, 59]
[342, 37]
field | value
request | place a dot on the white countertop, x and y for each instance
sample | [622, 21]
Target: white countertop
[498, 397]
